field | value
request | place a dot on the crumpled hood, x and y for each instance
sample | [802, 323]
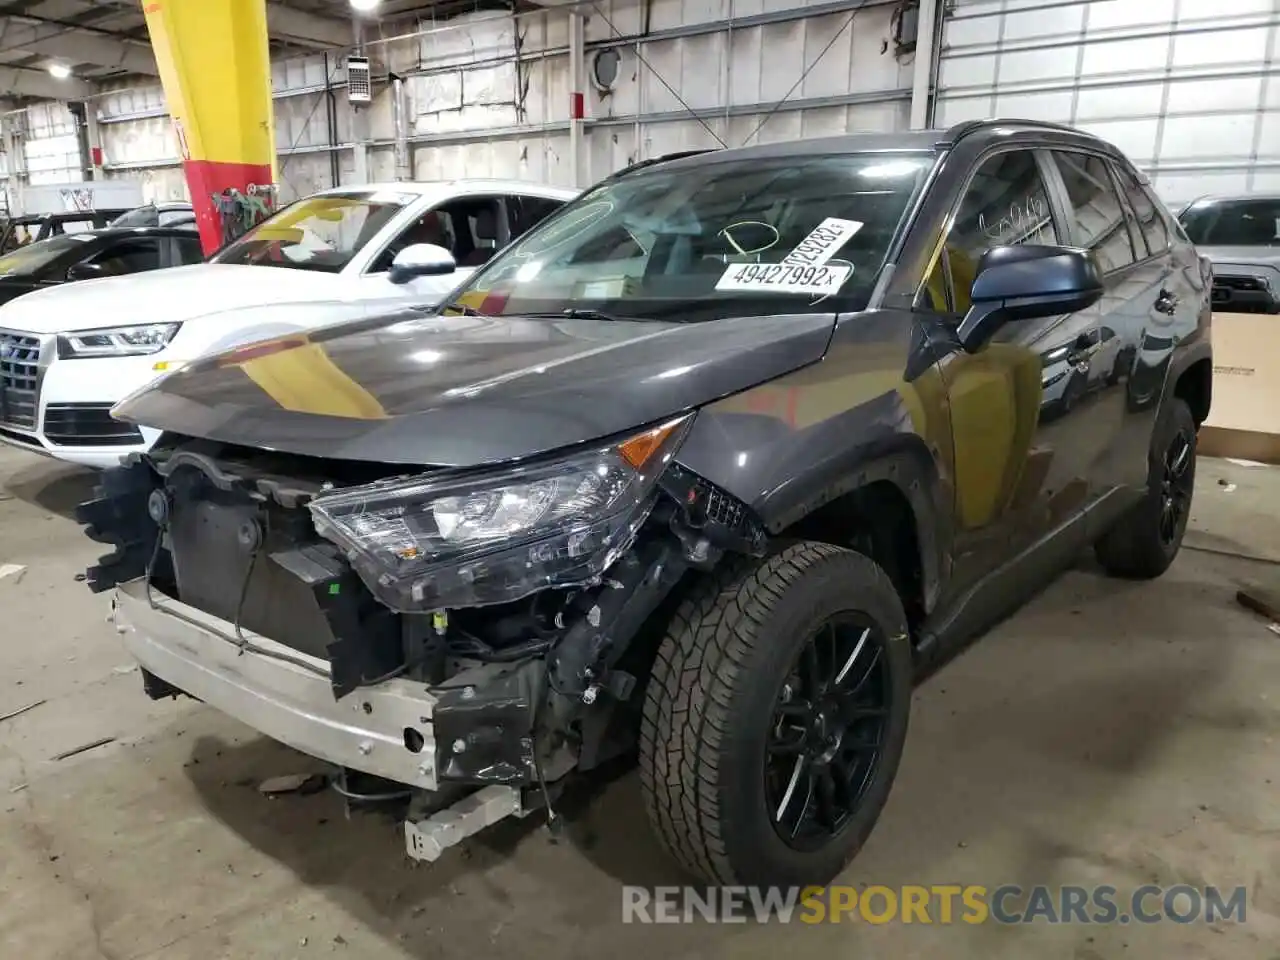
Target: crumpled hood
[176, 294]
[464, 391]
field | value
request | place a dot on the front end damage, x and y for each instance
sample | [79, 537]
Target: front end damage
[457, 642]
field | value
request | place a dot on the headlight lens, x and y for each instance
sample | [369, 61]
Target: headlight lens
[426, 543]
[116, 341]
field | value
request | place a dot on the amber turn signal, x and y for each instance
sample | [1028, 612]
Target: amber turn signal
[640, 449]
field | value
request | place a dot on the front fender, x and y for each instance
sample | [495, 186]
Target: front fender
[789, 447]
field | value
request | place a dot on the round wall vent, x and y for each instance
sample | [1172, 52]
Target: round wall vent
[604, 68]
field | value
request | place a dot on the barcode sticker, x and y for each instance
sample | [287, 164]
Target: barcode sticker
[783, 277]
[823, 243]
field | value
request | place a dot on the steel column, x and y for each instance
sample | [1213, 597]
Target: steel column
[922, 75]
[215, 67]
[577, 98]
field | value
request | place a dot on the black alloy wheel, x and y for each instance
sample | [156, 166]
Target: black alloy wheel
[827, 733]
[1143, 542]
[776, 716]
[1176, 486]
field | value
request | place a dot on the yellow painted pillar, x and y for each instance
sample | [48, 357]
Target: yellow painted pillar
[216, 70]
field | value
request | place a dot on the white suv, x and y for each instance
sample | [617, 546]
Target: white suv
[70, 353]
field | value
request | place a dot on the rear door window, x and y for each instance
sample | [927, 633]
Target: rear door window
[185, 250]
[129, 256]
[1152, 224]
[476, 228]
[527, 212]
[1097, 217]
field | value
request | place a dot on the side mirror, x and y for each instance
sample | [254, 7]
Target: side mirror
[1027, 282]
[85, 271]
[421, 260]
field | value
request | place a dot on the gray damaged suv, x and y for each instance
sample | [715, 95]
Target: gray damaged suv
[708, 468]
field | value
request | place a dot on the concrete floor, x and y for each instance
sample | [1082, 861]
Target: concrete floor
[1110, 733]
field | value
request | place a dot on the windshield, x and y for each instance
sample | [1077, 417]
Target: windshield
[34, 257]
[1234, 223]
[321, 233]
[716, 239]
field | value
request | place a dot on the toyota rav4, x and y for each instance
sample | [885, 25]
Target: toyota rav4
[707, 469]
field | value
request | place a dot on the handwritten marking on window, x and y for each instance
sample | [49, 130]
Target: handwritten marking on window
[1022, 221]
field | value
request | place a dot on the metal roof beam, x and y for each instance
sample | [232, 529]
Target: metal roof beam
[307, 29]
[15, 81]
[76, 46]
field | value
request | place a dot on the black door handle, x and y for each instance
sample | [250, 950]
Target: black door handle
[1166, 303]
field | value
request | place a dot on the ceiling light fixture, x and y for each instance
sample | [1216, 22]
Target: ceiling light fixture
[59, 70]
[364, 6]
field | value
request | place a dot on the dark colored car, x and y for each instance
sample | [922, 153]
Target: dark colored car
[167, 213]
[99, 253]
[1241, 237]
[34, 227]
[710, 465]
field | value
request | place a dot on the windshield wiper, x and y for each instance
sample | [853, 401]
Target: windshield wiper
[578, 313]
[465, 309]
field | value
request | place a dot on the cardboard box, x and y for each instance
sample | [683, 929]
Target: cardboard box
[1244, 420]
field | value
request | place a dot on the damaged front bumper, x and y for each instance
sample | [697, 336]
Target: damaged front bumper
[385, 730]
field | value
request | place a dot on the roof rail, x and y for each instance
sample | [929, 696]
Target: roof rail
[678, 155]
[961, 130]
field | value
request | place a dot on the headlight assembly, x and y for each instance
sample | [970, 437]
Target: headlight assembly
[116, 341]
[428, 543]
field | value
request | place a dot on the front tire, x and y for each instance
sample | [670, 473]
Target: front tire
[776, 716]
[1142, 545]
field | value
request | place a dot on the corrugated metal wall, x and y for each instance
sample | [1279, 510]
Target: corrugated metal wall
[1187, 88]
[489, 93]
[492, 100]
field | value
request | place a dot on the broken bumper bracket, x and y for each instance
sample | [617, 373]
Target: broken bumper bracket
[385, 730]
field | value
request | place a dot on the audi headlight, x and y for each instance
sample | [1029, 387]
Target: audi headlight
[116, 341]
[429, 543]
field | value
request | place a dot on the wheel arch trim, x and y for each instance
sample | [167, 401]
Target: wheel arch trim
[901, 459]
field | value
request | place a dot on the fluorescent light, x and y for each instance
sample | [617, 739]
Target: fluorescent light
[59, 70]
[364, 6]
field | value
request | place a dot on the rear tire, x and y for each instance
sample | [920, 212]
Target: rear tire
[804, 655]
[1143, 543]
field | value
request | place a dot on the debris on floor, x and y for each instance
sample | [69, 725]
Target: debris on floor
[302, 783]
[21, 710]
[84, 748]
[1260, 602]
[12, 572]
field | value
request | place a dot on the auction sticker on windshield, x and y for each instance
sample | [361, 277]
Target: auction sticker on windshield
[785, 278]
[823, 243]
